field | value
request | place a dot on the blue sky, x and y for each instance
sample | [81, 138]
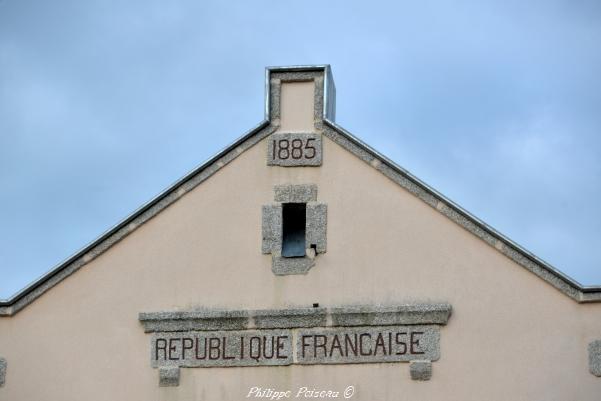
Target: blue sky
[104, 104]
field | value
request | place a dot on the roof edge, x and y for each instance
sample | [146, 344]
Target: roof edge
[36, 288]
[123, 224]
[404, 178]
[452, 210]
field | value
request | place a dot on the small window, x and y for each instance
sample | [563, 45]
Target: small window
[293, 227]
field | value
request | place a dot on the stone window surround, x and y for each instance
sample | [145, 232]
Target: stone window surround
[315, 235]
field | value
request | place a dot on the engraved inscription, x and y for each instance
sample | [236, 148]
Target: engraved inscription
[368, 344]
[222, 348]
[334, 345]
[284, 149]
[294, 149]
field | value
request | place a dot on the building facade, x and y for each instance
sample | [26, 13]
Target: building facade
[301, 263]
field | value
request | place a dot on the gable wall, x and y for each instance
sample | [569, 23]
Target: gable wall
[82, 339]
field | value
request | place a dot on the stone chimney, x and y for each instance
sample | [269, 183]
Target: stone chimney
[300, 97]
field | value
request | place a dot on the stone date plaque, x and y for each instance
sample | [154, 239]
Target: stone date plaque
[294, 149]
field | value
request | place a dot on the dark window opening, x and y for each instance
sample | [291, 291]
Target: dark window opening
[294, 216]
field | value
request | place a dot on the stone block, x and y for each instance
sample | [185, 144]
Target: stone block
[594, 357]
[317, 218]
[282, 266]
[420, 370]
[194, 320]
[3, 365]
[302, 193]
[271, 229]
[168, 376]
[288, 318]
[294, 149]
[363, 315]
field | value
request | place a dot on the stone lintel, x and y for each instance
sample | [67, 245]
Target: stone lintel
[301, 193]
[379, 315]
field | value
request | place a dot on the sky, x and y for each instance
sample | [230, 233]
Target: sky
[103, 104]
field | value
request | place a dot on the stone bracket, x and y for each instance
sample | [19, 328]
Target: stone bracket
[168, 376]
[420, 370]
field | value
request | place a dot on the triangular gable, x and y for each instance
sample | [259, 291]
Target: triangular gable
[324, 109]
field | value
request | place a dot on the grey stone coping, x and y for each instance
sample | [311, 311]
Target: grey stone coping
[391, 315]
[460, 216]
[324, 110]
[286, 318]
[195, 320]
[166, 198]
[378, 315]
